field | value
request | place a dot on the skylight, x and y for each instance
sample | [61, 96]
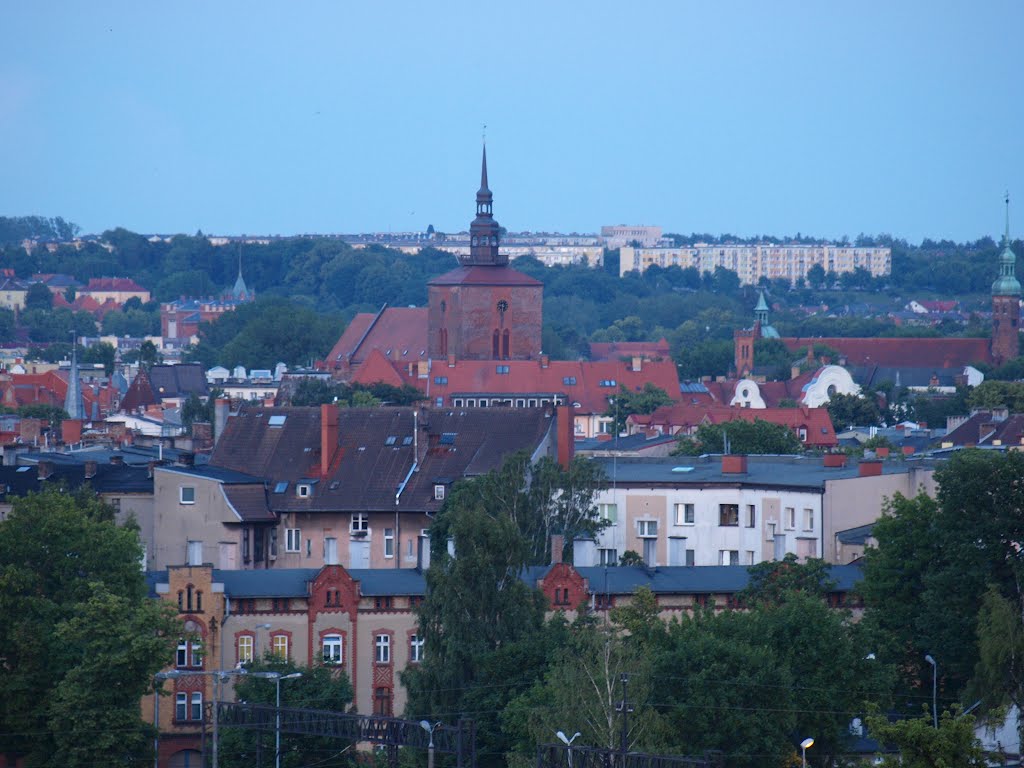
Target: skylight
[276, 420]
[407, 440]
[448, 438]
[682, 469]
[281, 487]
[390, 440]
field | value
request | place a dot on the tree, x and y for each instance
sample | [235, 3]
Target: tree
[990, 394]
[745, 437]
[627, 403]
[773, 580]
[38, 296]
[320, 687]
[149, 355]
[921, 745]
[849, 410]
[81, 640]
[816, 277]
[100, 353]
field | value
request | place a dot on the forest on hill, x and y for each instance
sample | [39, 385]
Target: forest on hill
[319, 283]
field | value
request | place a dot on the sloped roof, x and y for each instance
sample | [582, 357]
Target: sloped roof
[140, 393]
[816, 421]
[374, 454]
[613, 350]
[485, 275]
[400, 330]
[377, 368]
[122, 284]
[904, 352]
[250, 502]
[170, 381]
[973, 431]
[109, 478]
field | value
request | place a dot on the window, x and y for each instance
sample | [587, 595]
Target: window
[608, 512]
[389, 542]
[382, 702]
[181, 706]
[187, 494]
[689, 557]
[569, 381]
[608, 383]
[292, 540]
[439, 492]
[245, 648]
[360, 523]
[729, 514]
[181, 659]
[196, 659]
[279, 646]
[195, 553]
[729, 556]
[750, 557]
[330, 551]
[332, 649]
[189, 654]
[303, 490]
[646, 528]
[503, 369]
[197, 706]
[281, 487]
[770, 531]
[416, 648]
[751, 515]
[440, 379]
[790, 518]
[685, 514]
[608, 556]
[382, 649]
[390, 440]
[808, 519]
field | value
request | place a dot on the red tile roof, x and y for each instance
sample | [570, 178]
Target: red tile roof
[113, 284]
[904, 352]
[686, 418]
[377, 368]
[399, 332]
[484, 275]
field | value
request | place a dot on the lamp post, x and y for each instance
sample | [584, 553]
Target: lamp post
[804, 746]
[160, 676]
[256, 650]
[426, 726]
[935, 697]
[568, 742]
[277, 677]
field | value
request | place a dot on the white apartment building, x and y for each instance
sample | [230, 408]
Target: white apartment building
[752, 262]
[735, 510]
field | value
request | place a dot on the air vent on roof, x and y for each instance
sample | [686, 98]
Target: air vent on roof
[335, 484]
[276, 420]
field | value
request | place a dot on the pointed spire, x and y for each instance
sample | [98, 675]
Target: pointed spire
[1007, 284]
[73, 399]
[483, 174]
[1006, 236]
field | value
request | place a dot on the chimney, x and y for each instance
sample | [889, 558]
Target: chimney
[565, 440]
[734, 465]
[71, 431]
[545, 361]
[45, 469]
[221, 408]
[638, 363]
[835, 460]
[870, 468]
[882, 452]
[328, 436]
[117, 461]
[90, 470]
[149, 468]
[557, 545]
[908, 450]
[451, 361]
[794, 371]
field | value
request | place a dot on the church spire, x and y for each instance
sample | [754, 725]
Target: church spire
[484, 232]
[73, 399]
[1007, 284]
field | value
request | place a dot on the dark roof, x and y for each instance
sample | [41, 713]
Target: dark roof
[636, 442]
[220, 474]
[133, 455]
[250, 502]
[858, 535]
[762, 471]
[109, 479]
[374, 453]
[170, 381]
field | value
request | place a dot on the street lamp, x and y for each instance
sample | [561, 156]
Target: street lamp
[160, 676]
[935, 698]
[256, 650]
[568, 742]
[804, 746]
[426, 726]
[277, 677]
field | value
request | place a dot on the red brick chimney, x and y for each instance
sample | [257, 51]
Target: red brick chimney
[557, 544]
[882, 451]
[835, 460]
[734, 465]
[565, 434]
[71, 431]
[328, 436]
[870, 468]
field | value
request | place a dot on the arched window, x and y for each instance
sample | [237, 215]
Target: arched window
[494, 344]
[504, 344]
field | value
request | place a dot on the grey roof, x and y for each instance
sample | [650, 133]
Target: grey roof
[858, 535]
[210, 472]
[762, 471]
[620, 443]
[20, 481]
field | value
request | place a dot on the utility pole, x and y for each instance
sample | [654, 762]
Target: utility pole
[625, 707]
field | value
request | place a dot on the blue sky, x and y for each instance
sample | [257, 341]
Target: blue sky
[744, 117]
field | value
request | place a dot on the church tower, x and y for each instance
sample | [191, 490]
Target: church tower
[1006, 302]
[484, 309]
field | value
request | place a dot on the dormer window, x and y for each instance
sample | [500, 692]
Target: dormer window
[438, 492]
[303, 490]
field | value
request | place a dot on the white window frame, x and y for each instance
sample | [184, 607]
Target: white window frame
[725, 556]
[609, 512]
[303, 490]
[292, 539]
[246, 648]
[360, 522]
[808, 519]
[382, 649]
[279, 642]
[416, 647]
[191, 492]
[195, 708]
[647, 529]
[438, 492]
[333, 650]
[181, 656]
[389, 543]
[181, 707]
[607, 556]
[685, 513]
[790, 521]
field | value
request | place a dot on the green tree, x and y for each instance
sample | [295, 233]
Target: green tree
[626, 403]
[745, 437]
[100, 353]
[921, 745]
[320, 687]
[773, 580]
[81, 638]
[38, 296]
[852, 410]
[149, 355]
[990, 394]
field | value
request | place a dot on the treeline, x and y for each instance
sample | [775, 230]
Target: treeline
[15, 229]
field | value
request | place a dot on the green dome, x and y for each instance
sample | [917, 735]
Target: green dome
[1006, 284]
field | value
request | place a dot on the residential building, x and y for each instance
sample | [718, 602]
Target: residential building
[739, 510]
[620, 235]
[789, 261]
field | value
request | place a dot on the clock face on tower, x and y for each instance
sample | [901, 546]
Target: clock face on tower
[502, 306]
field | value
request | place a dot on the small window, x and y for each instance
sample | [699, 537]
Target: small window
[416, 648]
[608, 512]
[690, 559]
[276, 421]
[439, 402]
[569, 381]
[281, 487]
[187, 494]
[502, 369]
[303, 490]
[181, 706]
[729, 514]
[790, 518]
[332, 649]
[608, 556]
[279, 646]
[390, 440]
[808, 519]
[646, 528]
[448, 438]
[438, 492]
[382, 649]
[389, 542]
[751, 515]
[360, 523]
[245, 648]
[729, 556]
[407, 440]
[292, 540]
[441, 380]
[685, 514]
[197, 706]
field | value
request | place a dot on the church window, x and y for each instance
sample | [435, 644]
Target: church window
[495, 341]
[505, 344]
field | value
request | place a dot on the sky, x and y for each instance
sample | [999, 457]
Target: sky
[742, 117]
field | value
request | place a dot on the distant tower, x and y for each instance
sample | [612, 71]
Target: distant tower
[1006, 302]
[240, 291]
[484, 232]
[73, 400]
